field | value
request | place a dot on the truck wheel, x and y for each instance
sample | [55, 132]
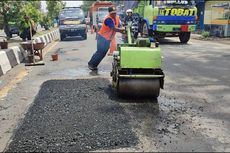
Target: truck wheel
[184, 37]
[145, 30]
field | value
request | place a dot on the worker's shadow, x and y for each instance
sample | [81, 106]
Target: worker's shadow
[166, 41]
[69, 39]
[113, 95]
[137, 107]
[94, 73]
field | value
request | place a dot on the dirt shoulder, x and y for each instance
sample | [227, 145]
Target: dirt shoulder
[225, 41]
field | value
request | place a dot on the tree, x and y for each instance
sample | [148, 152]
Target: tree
[36, 4]
[31, 11]
[9, 11]
[46, 22]
[16, 10]
[54, 7]
[86, 4]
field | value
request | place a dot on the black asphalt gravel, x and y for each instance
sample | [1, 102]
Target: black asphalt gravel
[74, 115]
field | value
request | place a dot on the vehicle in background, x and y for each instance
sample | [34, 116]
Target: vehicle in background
[101, 13]
[97, 11]
[72, 23]
[13, 29]
[168, 18]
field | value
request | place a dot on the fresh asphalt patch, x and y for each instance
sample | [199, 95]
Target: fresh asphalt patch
[74, 115]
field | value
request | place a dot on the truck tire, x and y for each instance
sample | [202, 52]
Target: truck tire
[184, 37]
[144, 30]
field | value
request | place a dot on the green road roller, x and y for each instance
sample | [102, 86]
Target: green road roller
[136, 68]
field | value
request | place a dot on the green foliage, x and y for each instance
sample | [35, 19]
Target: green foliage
[54, 7]
[46, 21]
[14, 11]
[36, 4]
[31, 11]
[205, 34]
[9, 9]
[86, 4]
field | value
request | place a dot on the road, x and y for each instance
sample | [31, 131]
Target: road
[62, 106]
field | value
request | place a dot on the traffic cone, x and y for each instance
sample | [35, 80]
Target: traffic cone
[92, 30]
[113, 47]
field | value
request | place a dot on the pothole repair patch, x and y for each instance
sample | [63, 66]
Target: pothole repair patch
[73, 115]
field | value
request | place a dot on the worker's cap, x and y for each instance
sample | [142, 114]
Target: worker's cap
[112, 10]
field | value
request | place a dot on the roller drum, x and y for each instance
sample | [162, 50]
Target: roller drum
[138, 87]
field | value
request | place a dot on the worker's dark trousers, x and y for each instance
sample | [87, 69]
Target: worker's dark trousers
[103, 46]
[25, 34]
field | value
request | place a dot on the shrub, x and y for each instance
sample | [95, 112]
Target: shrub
[46, 22]
[205, 34]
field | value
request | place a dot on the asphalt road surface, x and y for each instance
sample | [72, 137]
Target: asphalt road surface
[62, 106]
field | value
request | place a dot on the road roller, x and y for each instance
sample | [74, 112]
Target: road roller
[136, 68]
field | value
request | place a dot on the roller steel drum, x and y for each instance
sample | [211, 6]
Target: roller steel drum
[128, 87]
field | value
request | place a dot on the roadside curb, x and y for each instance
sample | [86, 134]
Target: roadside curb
[13, 56]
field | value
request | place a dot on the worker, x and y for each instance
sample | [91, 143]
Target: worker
[110, 26]
[129, 16]
[25, 28]
[113, 44]
[135, 21]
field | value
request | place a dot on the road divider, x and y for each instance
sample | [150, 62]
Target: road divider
[15, 55]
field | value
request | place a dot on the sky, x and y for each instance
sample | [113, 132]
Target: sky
[68, 4]
[73, 3]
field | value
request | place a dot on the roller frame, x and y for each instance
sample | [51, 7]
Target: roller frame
[136, 85]
[130, 82]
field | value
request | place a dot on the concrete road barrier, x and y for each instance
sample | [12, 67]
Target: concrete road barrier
[19, 53]
[4, 63]
[13, 56]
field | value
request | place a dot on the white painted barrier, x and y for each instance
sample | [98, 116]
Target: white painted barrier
[4, 63]
[15, 55]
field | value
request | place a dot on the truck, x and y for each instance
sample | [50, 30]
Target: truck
[166, 18]
[72, 23]
[97, 11]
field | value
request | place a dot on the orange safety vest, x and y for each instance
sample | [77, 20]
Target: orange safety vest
[107, 32]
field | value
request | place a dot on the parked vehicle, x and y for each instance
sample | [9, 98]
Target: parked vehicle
[101, 13]
[72, 23]
[13, 29]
